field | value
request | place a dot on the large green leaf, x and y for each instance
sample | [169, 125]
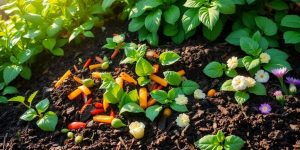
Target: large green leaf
[213, 34]
[250, 46]
[143, 68]
[173, 77]
[235, 36]
[266, 25]
[172, 14]
[291, 37]
[258, 89]
[190, 20]
[194, 3]
[48, 122]
[209, 16]
[226, 6]
[11, 72]
[292, 21]
[29, 115]
[160, 96]
[135, 24]
[42, 106]
[132, 108]
[241, 97]
[168, 58]
[233, 142]
[208, 142]
[49, 43]
[189, 87]
[214, 70]
[153, 111]
[152, 21]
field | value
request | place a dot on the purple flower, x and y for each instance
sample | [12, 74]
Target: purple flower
[265, 108]
[280, 72]
[291, 80]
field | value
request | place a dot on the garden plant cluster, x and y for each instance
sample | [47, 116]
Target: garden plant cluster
[261, 30]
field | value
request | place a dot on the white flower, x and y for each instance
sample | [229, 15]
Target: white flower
[239, 83]
[183, 120]
[137, 129]
[232, 63]
[198, 94]
[264, 58]
[262, 76]
[250, 82]
[118, 39]
[181, 100]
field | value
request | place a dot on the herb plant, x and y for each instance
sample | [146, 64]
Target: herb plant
[47, 120]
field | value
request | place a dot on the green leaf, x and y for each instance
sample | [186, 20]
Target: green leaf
[241, 97]
[235, 36]
[143, 81]
[107, 3]
[57, 51]
[179, 37]
[2, 85]
[152, 21]
[42, 106]
[160, 96]
[278, 5]
[214, 70]
[168, 58]
[29, 115]
[136, 24]
[49, 43]
[55, 27]
[226, 7]
[153, 111]
[258, 89]
[292, 21]
[3, 100]
[152, 39]
[233, 142]
[34, 18]
[178, 108]
[24, 56]
[209, 16]
[190, 20]
[132, 108]
[291, 37]
[227, 86]
[10, 90]
[248, 19]
[220, 136]
[189, 87]
[26, 73]
[208, 142]
[142, 6]
[11, 72]
[172, 14]
[173, 77]
[213, 34]
[143, 67]
[249, 63]
[113, 93]
[74, 34]
[266, 25]
[231, 73]
[172, 94]
[31, 97]
[249, 46]
[20, 99]
[278, 60]
[88, 34]
[170, 30]
[48, 122]
[194, 3]
[117, 123]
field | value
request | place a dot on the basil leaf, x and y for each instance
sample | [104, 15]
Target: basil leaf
[189, 87]
[143, 81]
[143, 68]
[227, 86]
[42, 106]
[207, 142]
[48, 122]
[241, 97]
[233, 142]
[258, 89]
[29, 115]
[178, 108]
[168, 58]
[10, 73]
[153, 111]
[173, 77]
[160, 96]
[131, 107]
[214, 70]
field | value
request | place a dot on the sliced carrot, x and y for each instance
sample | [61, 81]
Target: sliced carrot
[95, 66]
[115, 53]
[112, 113]
[128, 78]
[119, 81]
[156, 68]
[74, 94]
[87, 63]
[103, 118]
[143, 97]
[151, 102]
[211, 93]
[62, 79]
[96, 75]
[98, 105]
[181, 72]
[85, 90]
[99, 59]
[105, 104]
[77, 79]
[159, 80]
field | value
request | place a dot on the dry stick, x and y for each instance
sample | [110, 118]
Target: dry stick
[131, 143]
[122, 142]
[4, 141]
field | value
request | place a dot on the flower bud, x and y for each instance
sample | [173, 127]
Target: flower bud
[292, 89]
[137, 129]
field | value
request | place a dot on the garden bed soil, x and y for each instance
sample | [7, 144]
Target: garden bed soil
[277, 130]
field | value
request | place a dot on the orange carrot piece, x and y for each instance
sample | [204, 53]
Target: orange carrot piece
[105, 104]
[211, 93]
[112, 113]
[99, 59]
[95, 66]
[74, 94]
[159, 80]
[87, 63]
[143, 97]
[128, 78]
[156, 68]
[62, 79]
[181, 72]
[96, 75]
[77, 79]
[103, 118]
[120, 81]
[151, 102]
[115, 53]
[85, 90]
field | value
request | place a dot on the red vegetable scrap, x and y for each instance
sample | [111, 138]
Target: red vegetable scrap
[76, 125]
[87, 63]
[112, 113]
[75, 68]
[151, 53]
[97, 111]
[98, 105]
[99, 59]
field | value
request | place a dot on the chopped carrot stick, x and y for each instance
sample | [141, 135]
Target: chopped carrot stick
[74, 94]
[159, 80]
[181, 72]
[75, 68]
[62, 79]
[98, 105]
[96, 75]
[88, 102]
[105, 104]
[112, 113]
[127, 78]
[99, 59]
[151, 102]
[143, 97]
[115, 53]
[103, 118]
[87, 63]
[156, 68]
[119, 81]
[95, 66]
[77, 79]
[85, 90]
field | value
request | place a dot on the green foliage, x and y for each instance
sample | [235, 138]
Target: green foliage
[168, 58]
[153, 111]
[219, 141]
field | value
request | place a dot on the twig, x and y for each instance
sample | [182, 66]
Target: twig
[123, 143]
[4, 141]
[131, 143]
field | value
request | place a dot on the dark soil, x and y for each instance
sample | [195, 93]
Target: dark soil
[277, 130]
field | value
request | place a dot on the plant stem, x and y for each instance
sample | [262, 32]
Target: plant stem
[283, 86]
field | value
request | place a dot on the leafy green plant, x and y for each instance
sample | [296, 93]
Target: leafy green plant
[47, 120]
[292, 33]
[219, 142]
